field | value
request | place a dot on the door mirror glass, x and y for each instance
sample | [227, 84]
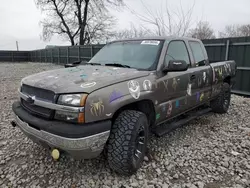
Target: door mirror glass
[175, 65]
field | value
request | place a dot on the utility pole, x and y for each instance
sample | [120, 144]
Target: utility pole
[17, 46]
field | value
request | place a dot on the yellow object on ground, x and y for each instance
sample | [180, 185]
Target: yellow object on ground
[55, 154]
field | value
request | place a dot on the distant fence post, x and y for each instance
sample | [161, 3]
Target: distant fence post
[58, 55]
[45, 55]
[227, 50]
[91, 51]
[40, 55]
[67, 54]
[51, 55]
[12, 55]
[78, 53]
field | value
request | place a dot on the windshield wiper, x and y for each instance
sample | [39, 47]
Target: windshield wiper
[76, 63]
[117, 65]
[86, 63]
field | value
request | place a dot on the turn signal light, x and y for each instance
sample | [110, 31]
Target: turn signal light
[81, 118]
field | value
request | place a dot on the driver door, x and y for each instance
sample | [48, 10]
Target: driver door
[174, 87]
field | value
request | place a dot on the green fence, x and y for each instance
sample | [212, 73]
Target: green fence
[237, 49]
[14, 56]
[64, 55]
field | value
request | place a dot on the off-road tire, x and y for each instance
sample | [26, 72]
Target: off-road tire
[123, 156]
[222, 102]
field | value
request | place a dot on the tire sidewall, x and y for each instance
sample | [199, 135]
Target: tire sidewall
[142, 120]
[226, 88]
[123, 139]
[218, 104]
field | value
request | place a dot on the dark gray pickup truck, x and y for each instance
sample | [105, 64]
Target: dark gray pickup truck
[129, 89]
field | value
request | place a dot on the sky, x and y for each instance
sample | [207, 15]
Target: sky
[19, 19]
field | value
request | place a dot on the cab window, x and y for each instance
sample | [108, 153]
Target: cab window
[177, 50]
[199, 57]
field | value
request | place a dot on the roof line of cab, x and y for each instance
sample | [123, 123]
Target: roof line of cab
[157, 38]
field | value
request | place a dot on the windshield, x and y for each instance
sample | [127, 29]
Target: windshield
[139, 54]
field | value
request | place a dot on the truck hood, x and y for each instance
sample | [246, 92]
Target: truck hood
[85, 78]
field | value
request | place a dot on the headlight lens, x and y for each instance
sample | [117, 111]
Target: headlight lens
[21, 84]
[76, 100]
[72, 99]
[67, 116]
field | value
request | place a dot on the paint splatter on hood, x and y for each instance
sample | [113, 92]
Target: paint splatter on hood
[85, 78]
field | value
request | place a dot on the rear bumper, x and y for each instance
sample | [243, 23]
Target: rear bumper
[84, 144]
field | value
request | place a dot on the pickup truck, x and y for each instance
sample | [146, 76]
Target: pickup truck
[128, 90]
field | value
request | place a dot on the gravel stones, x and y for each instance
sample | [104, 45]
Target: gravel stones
[211, 151]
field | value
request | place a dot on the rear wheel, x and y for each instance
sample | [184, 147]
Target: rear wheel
[222, 102]
[128, 142]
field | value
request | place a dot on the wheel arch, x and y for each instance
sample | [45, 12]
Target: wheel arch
[227, 80]
[145, 106]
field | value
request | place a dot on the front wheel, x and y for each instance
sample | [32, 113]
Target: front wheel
[221, 103]
[128, 142]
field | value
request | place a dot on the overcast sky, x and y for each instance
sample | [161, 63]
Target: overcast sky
[19, 19]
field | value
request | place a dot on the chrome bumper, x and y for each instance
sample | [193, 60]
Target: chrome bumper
[79, 148]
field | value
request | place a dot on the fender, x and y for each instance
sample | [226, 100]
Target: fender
[103, 103]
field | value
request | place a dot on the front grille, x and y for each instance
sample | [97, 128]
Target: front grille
[37, 110]
[38, 92]
[41, 94]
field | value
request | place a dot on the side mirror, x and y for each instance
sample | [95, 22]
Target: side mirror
[175, 66]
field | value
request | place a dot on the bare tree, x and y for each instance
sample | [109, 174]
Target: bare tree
[245, 30]
[166, 20]
[236, 31]
[202, 31]
[99, 28]
[132, 32]
[76, 19]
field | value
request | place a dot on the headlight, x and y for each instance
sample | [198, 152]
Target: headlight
[71, 100]
[67, 116]
[21, 84]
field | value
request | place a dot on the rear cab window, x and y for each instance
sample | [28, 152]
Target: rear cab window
[198, 54]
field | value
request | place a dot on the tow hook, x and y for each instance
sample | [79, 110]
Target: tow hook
[55, 154]
[13, 123]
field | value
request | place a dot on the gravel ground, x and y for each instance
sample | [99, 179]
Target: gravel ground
[212, 151]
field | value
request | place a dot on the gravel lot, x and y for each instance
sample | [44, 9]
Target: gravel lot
[212, 151]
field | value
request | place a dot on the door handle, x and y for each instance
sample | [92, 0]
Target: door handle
[193, 77]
